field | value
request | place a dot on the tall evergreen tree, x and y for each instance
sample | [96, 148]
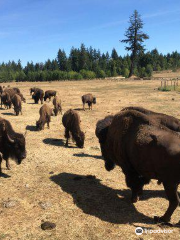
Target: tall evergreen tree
[135, 38]
[62, 60]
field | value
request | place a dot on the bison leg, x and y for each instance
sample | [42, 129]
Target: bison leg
[8, 165]
[172, 195]
[89, 104]
[67, 136]
[84, 106]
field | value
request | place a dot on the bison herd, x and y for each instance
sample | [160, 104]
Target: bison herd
[145, 144]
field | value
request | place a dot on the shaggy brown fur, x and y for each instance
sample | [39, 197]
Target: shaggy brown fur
[17, 90]
[89, 99]
[12, 144]
[38, 95]
[57, 105]
[45, 117]
[49, 94]
[144, 150]
[166, 120]
[71, 122]
[6, 100]
[16, 101]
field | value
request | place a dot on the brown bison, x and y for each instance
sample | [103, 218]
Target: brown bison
[6, 100]
[49, 94]
[45, 117]
[57, 105]
[16, 101]
[12, 144]
[71, 122]
[89, 99]
[38, 95]
[144, 150]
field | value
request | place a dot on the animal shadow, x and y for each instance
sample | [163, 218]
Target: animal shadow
[4, 175]
[54, 142]
[79, 109]
[8, 114]
[87, 155]
[31, 128]
[98, 200]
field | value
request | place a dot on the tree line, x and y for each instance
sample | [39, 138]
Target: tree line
[90, 63]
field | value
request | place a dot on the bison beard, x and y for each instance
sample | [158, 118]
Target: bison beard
[12, 144]
[145, 150]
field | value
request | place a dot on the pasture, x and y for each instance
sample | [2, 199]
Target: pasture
[70, 186]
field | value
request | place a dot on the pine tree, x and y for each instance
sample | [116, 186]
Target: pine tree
[135, 38]
[62, 60]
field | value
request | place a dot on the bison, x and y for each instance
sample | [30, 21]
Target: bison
[89, 99]
[57, 105]
[6, 100]
[38, 95]
[45, 117]
[12, 144]
[16, 101]
[49, 94]
[71, 122]
[144, 150]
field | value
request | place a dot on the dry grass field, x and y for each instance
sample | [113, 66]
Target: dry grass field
[70, 186]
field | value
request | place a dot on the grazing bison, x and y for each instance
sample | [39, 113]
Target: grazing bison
[166, 120]
[49, 94]
[6, 100]
[38, 95]
[16, 101]
[57, 105]
[89, 99]
[12, 144]
[45, 117]
[144, 150]
[71, 122]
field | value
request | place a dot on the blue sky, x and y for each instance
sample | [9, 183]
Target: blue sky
[36, 29]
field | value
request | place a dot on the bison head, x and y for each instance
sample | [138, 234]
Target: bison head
[39, 125]
[80, 140]
[102, 128]
[16, 146]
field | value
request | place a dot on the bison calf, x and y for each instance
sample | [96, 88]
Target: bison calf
[89, 99]
[45, 117]
[16, 101]
[57, 105]
[71, 122]
[49, 94]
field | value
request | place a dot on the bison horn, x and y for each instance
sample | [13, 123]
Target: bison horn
[10, 139]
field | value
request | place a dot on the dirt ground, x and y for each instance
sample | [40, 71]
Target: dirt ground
[70, 186]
